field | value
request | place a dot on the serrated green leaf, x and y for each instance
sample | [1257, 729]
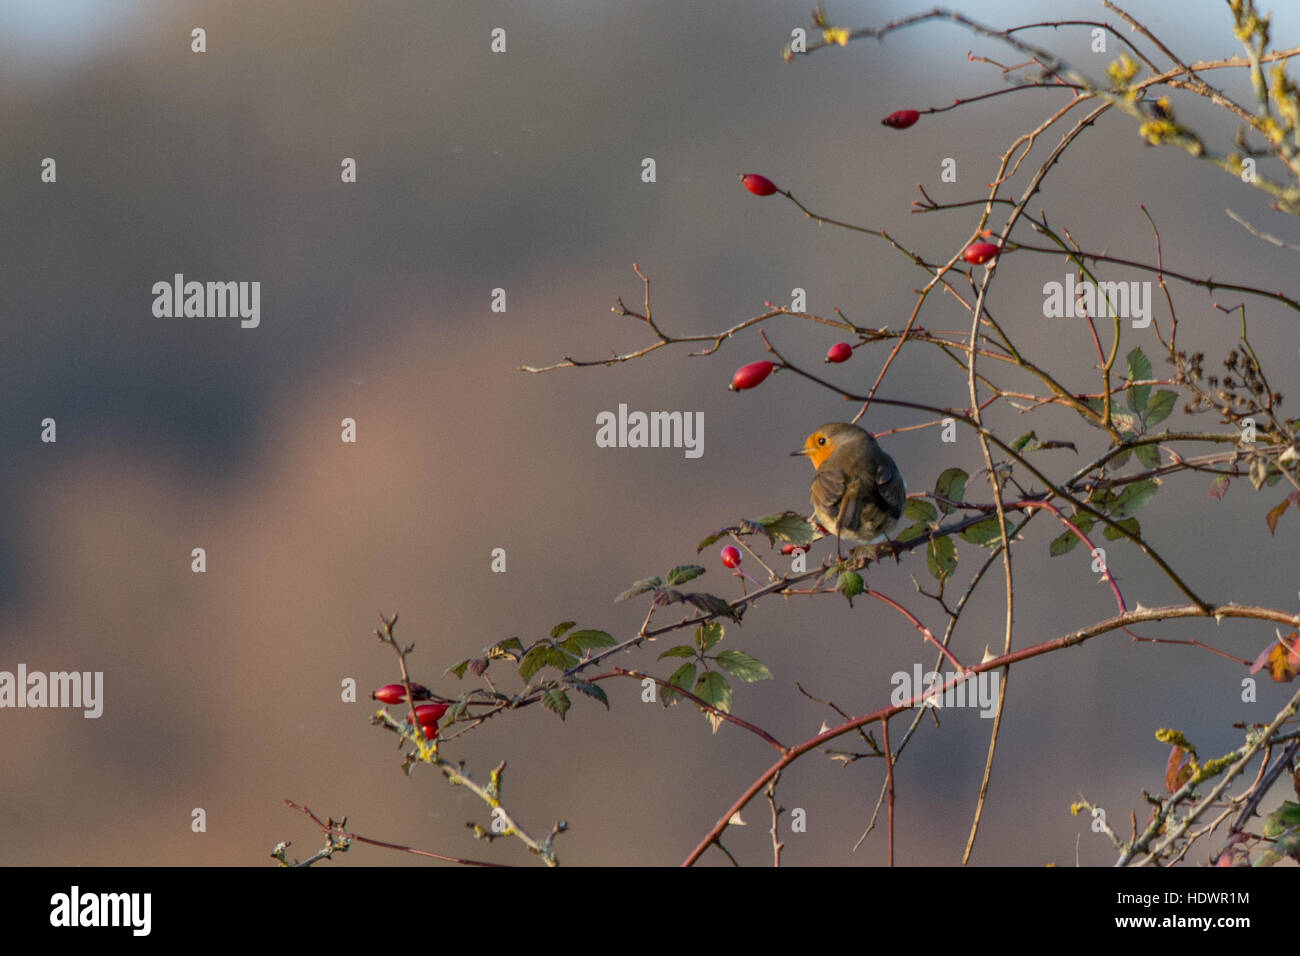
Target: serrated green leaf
[669, 596]
[1133, 498]
[1139, 369]
[712, 604]
[1130, 524]
[1062, 543]
[918, 509]
[849, 584]
[681, 650]
[561, 628]
[941, 557]
[683, 677]
[712, 688]
[787, 526]
[640, 587]
[594, 691]
[984, 533]
[1161, 404]
[951, 485]
[910, 532]
[683, 573]
[544, 655]
[743, 667]
[580, 641]
[1149, 455]
[706, 635]
[556, 701]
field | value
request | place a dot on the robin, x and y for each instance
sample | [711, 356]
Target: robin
[857, 492]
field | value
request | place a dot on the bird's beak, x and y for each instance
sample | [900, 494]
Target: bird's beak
[801, 451]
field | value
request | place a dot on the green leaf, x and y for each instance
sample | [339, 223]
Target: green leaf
[1162, 403]
[1129, 524]
[849, 584]
[640, 587]
[951, 485]
[1096, 404]
[1062, 543]
[1083, 521]
[941, 557]
[911, 531]
[712, 688]
[681, 650]
[918, 509]
[1020, 443]
[683, 573]
[1149, 455]
[557, 701]
[714, 538]
[985, 533]
[683, 677]
[561, 628]
[544, 655]
[580, 641]
[1139, 369]
[459, 669]
[668, 596]
[706, 635]
[594, 691]
[712, 604]
[459, 708]
[787, 526]
[1133, 497]
[743, 667]
[1120, 460]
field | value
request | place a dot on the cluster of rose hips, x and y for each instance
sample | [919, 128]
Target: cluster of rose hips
[977, 253]
[428, 715]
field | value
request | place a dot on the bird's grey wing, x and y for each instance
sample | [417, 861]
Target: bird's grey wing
[890, 488]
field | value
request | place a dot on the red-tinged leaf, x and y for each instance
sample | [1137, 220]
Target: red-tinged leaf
[1177, 769]
[1284, 661]
[1219, 487]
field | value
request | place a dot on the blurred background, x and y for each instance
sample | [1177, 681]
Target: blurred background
[521, 171]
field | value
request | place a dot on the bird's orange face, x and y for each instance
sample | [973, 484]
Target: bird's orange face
[818, 447]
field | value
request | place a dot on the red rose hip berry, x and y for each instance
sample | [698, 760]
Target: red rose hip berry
[390, 694]
[839, 352]
[980, 252]
[731, 556]
[901, 120]
[758, 185]
[430, 713]
[747, 376]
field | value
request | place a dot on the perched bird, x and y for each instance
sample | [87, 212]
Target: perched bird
[857, 492]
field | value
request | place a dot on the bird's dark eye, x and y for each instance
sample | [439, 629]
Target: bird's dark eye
[822, 440]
